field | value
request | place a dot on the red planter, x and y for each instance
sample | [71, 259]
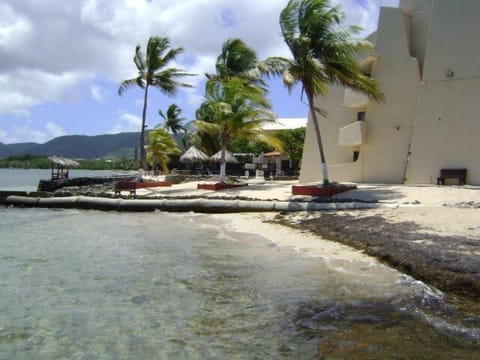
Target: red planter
[145, 184]
[218, 186]
[320, 190]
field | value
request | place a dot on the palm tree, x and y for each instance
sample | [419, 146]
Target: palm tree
[172, 121]
[323, 53]
[152, 71]
[160, 146]
[234, 108]
[236, 59]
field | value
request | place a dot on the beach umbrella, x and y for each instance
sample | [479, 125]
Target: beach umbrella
[229, 158]
[193, 154]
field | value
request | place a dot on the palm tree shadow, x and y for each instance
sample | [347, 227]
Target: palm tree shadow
[371, 194]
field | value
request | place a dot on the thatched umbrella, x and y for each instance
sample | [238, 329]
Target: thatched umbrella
[62, 165]
[229, 158]
[57, 160]
[193, 154]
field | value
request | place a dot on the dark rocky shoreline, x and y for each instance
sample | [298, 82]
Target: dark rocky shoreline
[450, 263]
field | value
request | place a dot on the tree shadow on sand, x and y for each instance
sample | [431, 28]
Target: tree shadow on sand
[372, 194]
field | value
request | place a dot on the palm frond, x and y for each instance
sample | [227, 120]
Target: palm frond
[138, 59]
[207, 127]
[127, 84]
[289, 21]
[274, 65]
[235, 59]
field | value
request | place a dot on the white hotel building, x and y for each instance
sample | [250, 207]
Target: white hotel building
[427, 63]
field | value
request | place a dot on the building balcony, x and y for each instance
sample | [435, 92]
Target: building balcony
[367, 63]
[353, 135]
[353, 99]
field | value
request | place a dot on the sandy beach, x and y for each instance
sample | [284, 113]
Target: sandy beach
[429, 232]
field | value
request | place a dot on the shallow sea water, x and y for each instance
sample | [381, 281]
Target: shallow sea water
[103, 285]
[106, 285]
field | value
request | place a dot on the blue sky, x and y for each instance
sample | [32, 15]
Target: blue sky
[61, 62]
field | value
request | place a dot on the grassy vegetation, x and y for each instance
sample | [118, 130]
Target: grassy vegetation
[42, 162]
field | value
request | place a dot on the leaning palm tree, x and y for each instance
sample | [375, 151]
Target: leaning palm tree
[152, 71]
[232, 109]
[323, 53]
[172, 120]
[160, 147]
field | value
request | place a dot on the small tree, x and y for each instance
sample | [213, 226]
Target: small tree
[293, 140]
[160, 147]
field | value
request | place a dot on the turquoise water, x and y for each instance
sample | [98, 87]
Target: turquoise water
[107, 285]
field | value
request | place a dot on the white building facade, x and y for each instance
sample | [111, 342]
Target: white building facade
[427, 64]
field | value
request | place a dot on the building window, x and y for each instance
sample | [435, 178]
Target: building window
[361, 115]
[356, 154]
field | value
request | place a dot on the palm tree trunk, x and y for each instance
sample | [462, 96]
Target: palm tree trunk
[142, 131]
[319, 139]
[223, 164]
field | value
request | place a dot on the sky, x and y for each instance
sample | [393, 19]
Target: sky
[62, 61]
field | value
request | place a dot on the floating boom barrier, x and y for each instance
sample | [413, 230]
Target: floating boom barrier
[200, 205]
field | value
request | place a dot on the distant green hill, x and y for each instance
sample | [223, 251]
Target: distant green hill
[79, 147]
[15, 149]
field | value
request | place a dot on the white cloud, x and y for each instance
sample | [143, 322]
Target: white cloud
[99, 36]
[50, 49]
[26, 133]
[15, 29]
[97, 93]
[22, 89]
[54, 130]
[30, 132]
[364, 13]
[127, 123]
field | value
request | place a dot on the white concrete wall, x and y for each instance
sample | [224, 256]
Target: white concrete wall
[418, 26]
[337, 116]
[432, 116]
[390, 124]
[383, 156]
[448, 116]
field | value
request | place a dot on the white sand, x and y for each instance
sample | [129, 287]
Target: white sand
[284, 236]
[447, 210]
